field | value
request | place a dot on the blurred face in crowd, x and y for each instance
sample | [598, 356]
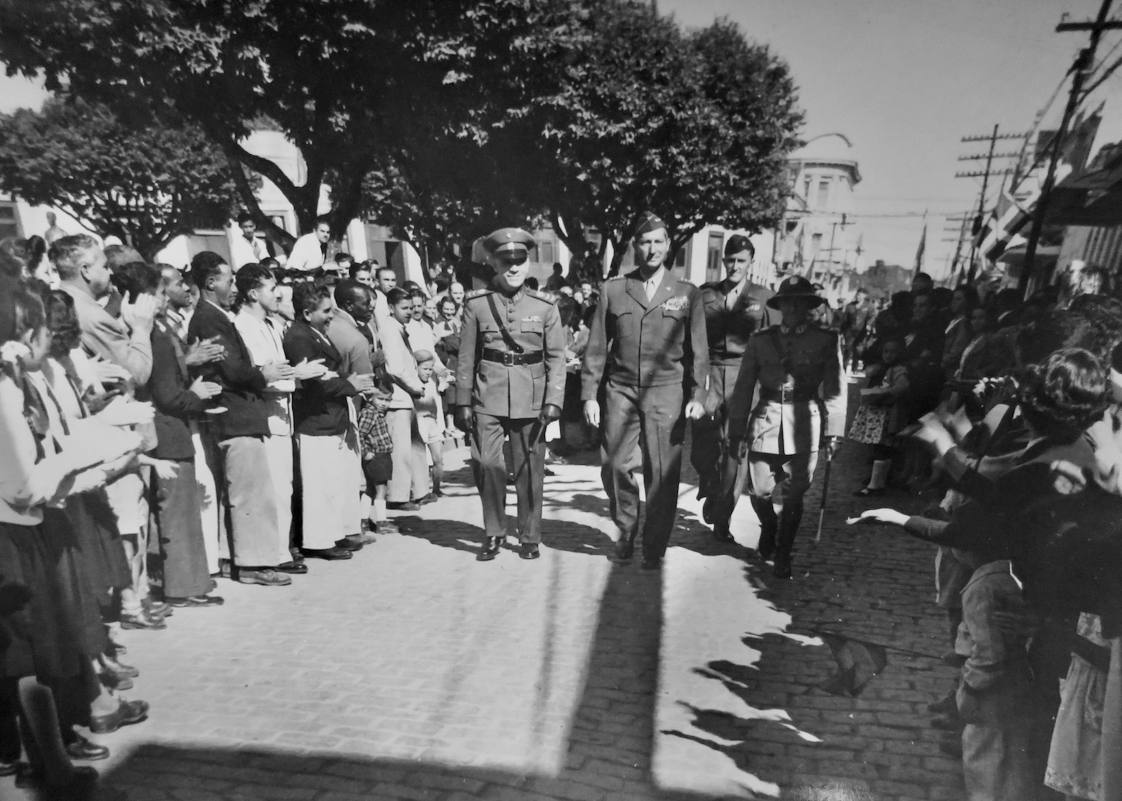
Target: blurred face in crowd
[511, 269]
[222, 285]
[323, 233]
[447, 309]
[979, 320]
[387, 280]
[921, 308]
[268, 295]
[364, 278]
[249, 228]
[958, 302]
[456, 292]
[430, 309]
[794, 310]
[586, 290]
[285, 309]
[424, 371]
[403, 311]
[179, 294]
[891, 353]
[320, 316]
[95, 270]
[418, 307]
[651, 249]
[736, 266]
[360, 307]
[39, 343]
[578, 296]
[45, 271]
[381, 400]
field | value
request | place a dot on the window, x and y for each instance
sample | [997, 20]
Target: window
[806, 188]
[823, 199]
[545, 252]
[9, 222]
[713, 262]
[815, 245]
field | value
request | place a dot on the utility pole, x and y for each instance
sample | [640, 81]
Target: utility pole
[1083, 62]
[988, 156]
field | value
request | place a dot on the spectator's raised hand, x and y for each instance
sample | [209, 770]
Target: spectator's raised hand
[140, 314]
[122, 411]
[108, 372]
[363, 382]
[205, 351]
[277, 371]
[205, 389]
[306, 370]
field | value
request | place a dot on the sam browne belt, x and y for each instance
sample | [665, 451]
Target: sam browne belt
[510, 359]
[788, 395]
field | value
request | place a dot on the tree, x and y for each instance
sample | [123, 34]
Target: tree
[357, 85]
[137, 179]
[695, 127]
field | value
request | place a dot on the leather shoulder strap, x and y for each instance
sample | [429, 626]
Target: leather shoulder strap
[507, 338]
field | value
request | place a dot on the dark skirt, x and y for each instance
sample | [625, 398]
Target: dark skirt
[378, 470]
[100, 541]
[40, 632]
[176, 534]
[76, 589]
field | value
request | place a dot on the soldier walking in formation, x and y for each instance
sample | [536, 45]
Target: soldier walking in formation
[648, 338]
[798, 369]
[735, 308]
[510, 382]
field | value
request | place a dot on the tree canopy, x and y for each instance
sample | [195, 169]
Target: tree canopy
[137, 178]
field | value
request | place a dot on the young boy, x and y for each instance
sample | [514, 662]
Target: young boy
[430, 421]
[377, 458]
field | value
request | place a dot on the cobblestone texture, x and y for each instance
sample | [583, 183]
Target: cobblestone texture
[415, 672]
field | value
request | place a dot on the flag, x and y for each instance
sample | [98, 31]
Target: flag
[858, 662]
[1009, 217]
[922, 247]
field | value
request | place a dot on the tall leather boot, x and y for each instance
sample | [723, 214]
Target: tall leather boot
[789, 518]
[768, 523]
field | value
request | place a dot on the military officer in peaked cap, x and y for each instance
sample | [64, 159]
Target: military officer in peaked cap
[510, 381]
[648, 338]
[801, 409]
[735, 308]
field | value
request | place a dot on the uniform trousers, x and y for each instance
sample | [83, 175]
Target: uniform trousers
[279, 448]
[716, 467]
[331, 474]
[527, 463]
[178, 532]
[647, 421]
[245, 487]
[792, 472]
[410, 458]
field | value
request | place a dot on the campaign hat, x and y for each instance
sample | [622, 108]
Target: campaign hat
[795, 286]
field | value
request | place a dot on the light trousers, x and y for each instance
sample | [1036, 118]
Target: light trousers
[332, 479]
[410, 457]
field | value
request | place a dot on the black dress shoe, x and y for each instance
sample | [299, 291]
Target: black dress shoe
[721, 534]
[82, 748]
[529, 550]
[141, 621]
[491, 548]
[327, 553]
[197, 600]
[707, 511]
[126, 714]
[348, 545]
[651, 564]
[782, 569]
[402, 506]
[625, 549]
[295, 568]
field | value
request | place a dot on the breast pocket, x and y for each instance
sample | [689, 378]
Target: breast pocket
[625, 325]
[534, 327]
[490, 332]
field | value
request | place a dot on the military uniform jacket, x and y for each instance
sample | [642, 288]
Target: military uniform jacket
[728, 329]
[810, 373]
[641, 343]
[516, 391]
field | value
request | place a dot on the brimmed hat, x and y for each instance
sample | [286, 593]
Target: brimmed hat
[795, 287]
[509, 241]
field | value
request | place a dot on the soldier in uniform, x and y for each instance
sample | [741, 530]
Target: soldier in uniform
[648, 337]
[510, 381]
[735, 308]
[799, 372]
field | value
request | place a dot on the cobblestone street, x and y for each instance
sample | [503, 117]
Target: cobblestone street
[415, 672]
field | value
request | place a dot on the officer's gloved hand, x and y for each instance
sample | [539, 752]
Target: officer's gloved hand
[738, 446]
[465, 419]
[831, 446]
[549, 413]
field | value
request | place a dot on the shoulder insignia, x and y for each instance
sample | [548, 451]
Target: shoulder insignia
[547, 297]
[477, 293]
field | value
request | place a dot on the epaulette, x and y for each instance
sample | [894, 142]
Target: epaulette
[616, 278]
[548, 297]
[477, 293]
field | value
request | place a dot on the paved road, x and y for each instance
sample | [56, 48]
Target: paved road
[415, 672]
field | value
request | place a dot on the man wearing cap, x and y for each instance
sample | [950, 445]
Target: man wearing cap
[798, 369]
[735, 308]
[510, 381]
[648, 338]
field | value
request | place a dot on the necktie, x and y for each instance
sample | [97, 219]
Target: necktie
[651, 286]
[732, 297]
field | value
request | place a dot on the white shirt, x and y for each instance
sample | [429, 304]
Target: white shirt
[422, 337]
[264, 342]
[651, 284]
[244, 252]
[307, 253]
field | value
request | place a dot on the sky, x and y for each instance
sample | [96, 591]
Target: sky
[904, 80]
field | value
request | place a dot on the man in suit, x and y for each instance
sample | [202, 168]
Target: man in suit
[510, 381]
[236, 435]
[648, 339]
[735, 308]
[330, 466]
[349, 329]
[798, 369]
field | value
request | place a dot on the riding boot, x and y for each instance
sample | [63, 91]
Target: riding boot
[789, 519]
[768, 521]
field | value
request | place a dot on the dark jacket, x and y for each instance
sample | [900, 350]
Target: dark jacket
[319, 407]
[243, 385]
[175, 403]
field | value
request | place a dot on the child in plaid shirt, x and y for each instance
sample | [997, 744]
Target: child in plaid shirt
[377, 449]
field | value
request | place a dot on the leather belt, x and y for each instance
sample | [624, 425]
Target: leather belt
[509, 359]
[788, 395]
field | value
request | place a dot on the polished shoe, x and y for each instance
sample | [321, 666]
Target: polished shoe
[529, 550]
[347, 544]
[119, 668]
[365, 538]
[782, 569]
[330, 554]
[141, 621]
[157, 609]
[491, 548]
[388, 527]
[115, 682]
[196, 600]
[651, 564]
[707, 510]
[625, 549]
[83, 749]
[128, 713]
[295, 568]
[402, 506]
[721, 534]
[266, 577]
[430, 498]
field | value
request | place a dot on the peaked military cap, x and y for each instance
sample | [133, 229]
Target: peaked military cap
[650, 222]
[509, 240]
[796, 286]
[737, 243]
